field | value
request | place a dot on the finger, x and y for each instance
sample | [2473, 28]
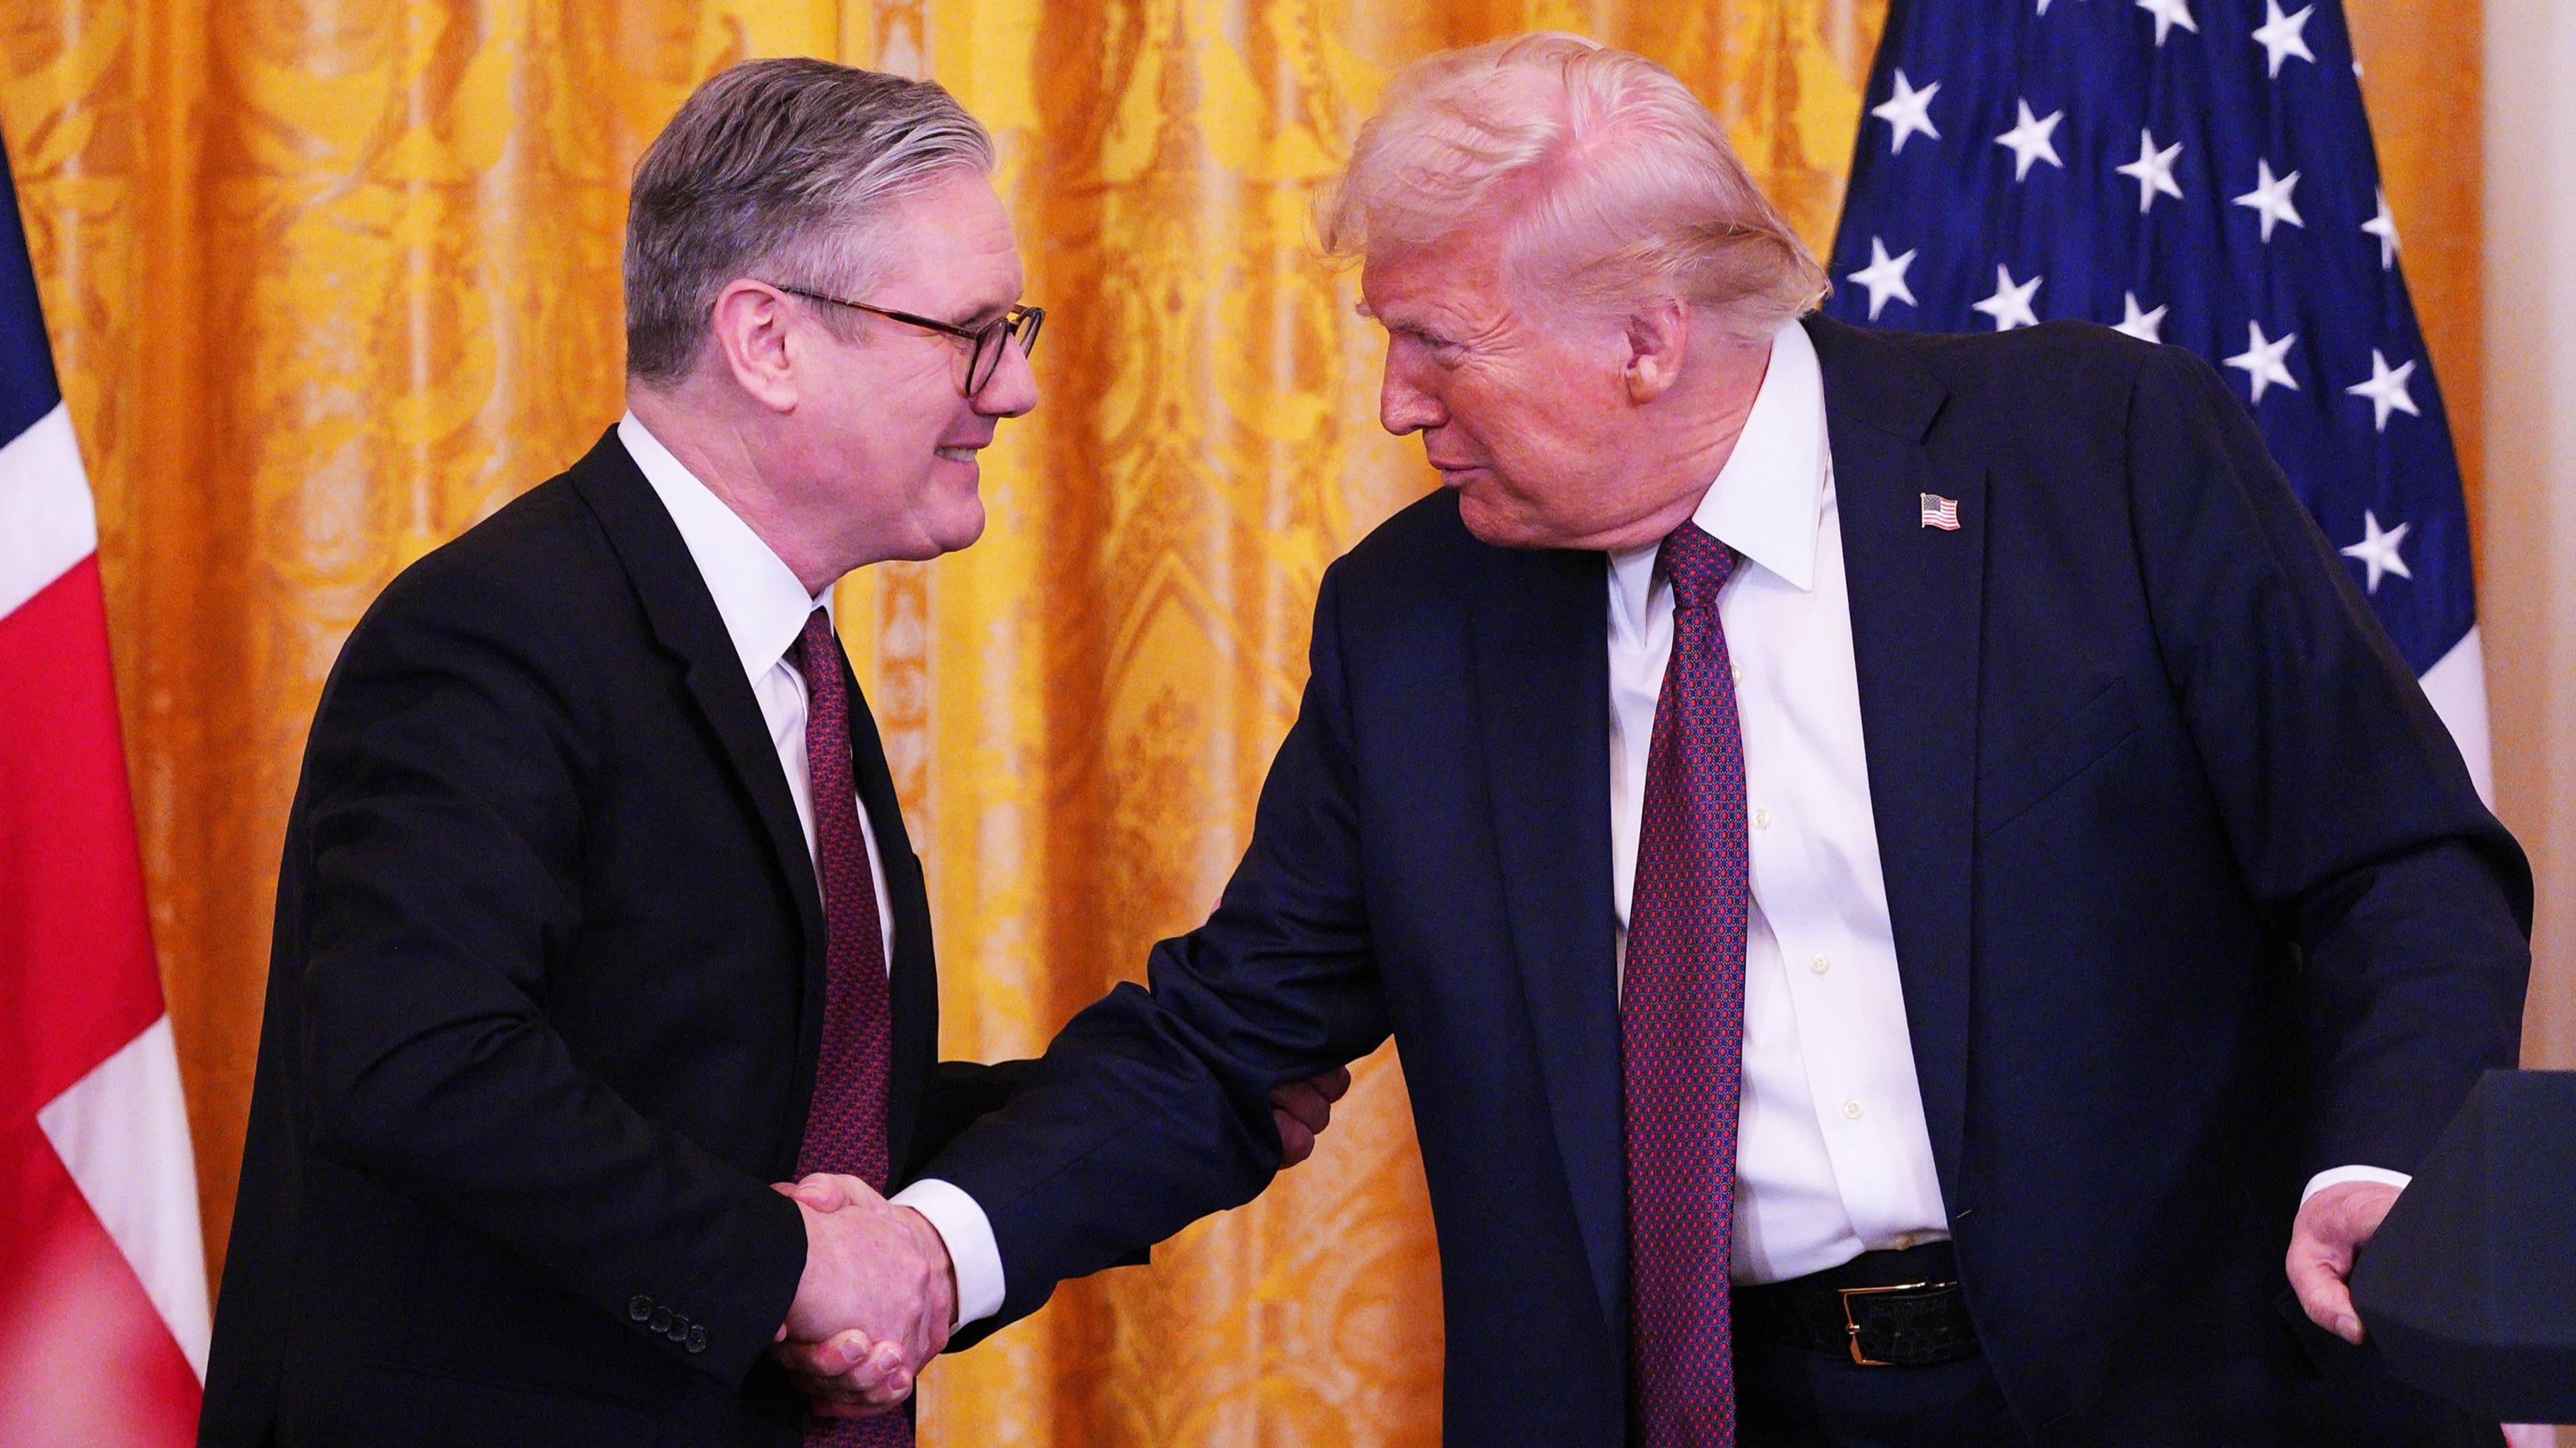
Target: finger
[880, 1377]
[826, 1360]
[1301, 1100]
[2317, 1276]
[1296, 1143]
[850, 1189]
[1335, 1084]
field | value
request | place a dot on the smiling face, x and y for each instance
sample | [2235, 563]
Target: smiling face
[1530, 416]
[882, 437]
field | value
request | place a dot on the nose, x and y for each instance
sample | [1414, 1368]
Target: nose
[1403, 403]
[1013, 390]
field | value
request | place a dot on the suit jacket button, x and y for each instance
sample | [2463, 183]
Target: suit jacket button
[639, 1307]
[679, 1329]
[661, 1319]
[697, 1339]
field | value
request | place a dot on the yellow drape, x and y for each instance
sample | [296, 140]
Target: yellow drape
[329, 280]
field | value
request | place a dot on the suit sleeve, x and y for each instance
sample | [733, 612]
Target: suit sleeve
[443, 813]
[2353, 819]
[1151, 1109]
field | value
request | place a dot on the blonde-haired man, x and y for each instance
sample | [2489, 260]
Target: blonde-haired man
[1903, 874]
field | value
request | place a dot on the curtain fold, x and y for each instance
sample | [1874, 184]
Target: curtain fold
[330, 280]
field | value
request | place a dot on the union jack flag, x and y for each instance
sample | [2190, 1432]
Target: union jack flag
[2197, 173]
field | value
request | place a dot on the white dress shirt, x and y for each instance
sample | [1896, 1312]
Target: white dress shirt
[764, 608]
[1833, 1156]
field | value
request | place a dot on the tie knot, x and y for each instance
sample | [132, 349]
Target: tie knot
[813, 648]
[1696, 563]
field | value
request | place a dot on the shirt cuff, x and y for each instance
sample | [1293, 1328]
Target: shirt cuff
[972, 1253]
[2316, 1184]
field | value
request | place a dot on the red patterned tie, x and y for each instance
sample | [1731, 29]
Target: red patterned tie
[1681, 1018]
[845, 1128]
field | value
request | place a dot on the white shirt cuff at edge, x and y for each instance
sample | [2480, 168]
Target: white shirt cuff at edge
[2316, 1184]
[971, 1249]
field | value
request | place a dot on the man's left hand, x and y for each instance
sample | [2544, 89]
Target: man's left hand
[1302, 1109]
[2331, 1227]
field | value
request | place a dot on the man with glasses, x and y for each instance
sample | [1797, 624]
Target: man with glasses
[602, 1015]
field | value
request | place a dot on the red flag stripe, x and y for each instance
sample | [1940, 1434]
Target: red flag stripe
[76, 964]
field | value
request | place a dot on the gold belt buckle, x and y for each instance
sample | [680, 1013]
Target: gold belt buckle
[1851, 1324]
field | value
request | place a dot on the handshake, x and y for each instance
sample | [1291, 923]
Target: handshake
[879, 1296]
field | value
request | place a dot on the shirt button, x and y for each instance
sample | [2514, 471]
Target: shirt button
[1735, 671]
[1851, 1111]
[1820, 965]
[1762, 819]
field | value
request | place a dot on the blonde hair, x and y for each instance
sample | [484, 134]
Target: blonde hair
[1615, 181]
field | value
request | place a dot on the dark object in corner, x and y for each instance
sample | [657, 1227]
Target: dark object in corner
[2469, 1287]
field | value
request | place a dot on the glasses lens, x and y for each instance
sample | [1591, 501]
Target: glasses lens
[989, 342]
[988, 357]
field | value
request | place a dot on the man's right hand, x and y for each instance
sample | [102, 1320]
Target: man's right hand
[877, 1277]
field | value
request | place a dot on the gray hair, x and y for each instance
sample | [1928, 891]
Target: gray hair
[1615, 182]
[786, 168]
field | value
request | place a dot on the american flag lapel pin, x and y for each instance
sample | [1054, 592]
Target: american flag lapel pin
[1940, 512]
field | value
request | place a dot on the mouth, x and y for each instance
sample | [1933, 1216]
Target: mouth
[959, 454]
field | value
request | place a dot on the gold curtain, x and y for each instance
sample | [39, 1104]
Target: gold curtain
[329, 280]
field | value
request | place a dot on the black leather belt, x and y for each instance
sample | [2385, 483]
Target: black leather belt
[1884, 1309]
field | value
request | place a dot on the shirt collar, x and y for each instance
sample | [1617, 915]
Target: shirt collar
[763, 604]
[1766, 501]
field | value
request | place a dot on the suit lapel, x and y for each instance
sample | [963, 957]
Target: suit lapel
[913, 983]
[684, 619]
[1917, 617]
[1543, 686]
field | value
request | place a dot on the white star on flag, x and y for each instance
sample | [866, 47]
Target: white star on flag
[2384, 226]
[2261, 361]
[2010, 305]
[2029, 141]
[2271, 198]
[1909, 111]
[2153, 170]
[1885, 277]
[2386, 390]
[2378, 551]
[2169, 13]
[2145, 326]
[2280, 35]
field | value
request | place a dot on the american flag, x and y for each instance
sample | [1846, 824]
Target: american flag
[2197, 173]
[1940, 512]
[103, 1319]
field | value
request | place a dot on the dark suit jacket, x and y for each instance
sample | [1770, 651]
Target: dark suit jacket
[2192, 898]
[543, 1011]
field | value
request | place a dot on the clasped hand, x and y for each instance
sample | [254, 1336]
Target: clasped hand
[879, 1295]
[877, 1300]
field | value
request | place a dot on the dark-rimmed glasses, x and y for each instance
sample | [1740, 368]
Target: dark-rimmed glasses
[1020, 322]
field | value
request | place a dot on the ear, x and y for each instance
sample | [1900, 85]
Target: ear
[760, 336]
[1658, 338]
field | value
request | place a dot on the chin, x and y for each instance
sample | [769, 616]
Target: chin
[1503, 527]
[954, 528]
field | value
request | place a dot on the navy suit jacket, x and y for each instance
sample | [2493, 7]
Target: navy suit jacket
[2192, 898]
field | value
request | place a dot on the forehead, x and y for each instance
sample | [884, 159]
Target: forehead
[1460, 271]
[954, 240]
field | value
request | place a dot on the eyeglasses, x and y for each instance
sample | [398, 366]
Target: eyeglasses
[1019, 322]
